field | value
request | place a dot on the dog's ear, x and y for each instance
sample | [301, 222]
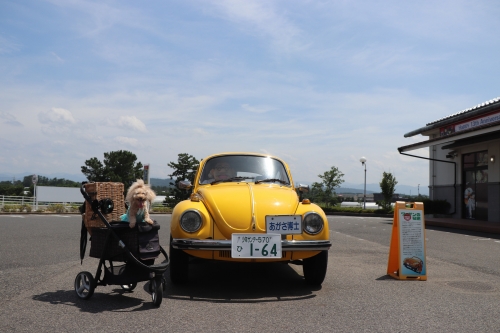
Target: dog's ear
[131, 191]
[150, 194]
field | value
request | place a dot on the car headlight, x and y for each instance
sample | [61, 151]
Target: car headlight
[313, 223]
[191, 221]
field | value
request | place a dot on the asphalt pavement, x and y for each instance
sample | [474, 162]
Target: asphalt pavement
[39, 261]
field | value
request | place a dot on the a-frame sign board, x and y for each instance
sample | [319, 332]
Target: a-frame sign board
[407, 252]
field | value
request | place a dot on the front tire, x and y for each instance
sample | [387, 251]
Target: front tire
[315, 268]
[84, 285]
[179, 265]
[157, 291]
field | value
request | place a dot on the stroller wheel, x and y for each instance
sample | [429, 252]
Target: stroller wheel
[129, 287]
[157, 291]
[164, 283]
[84, 285]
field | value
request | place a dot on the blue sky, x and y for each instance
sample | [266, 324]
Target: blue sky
[317, 83]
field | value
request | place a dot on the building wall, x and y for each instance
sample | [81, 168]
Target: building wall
[441, 177]
[448, 193]
[493, 202]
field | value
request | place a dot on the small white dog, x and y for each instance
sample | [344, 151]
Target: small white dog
[139, 196]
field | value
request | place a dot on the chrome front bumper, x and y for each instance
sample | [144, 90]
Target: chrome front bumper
[225, 245]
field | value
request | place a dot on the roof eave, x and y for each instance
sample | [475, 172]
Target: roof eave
[448, 121]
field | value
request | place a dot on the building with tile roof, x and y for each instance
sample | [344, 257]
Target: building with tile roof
[464, 165]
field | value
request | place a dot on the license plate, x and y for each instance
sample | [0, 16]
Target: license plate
[256, 246]
[284, 224]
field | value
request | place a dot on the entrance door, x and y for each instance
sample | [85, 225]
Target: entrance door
[475, 180]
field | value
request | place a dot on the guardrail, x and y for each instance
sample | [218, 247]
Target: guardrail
[16, 200]
[10, 203]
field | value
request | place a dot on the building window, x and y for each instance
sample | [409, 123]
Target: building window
[475, 180]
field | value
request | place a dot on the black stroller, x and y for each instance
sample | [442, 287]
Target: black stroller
[116, 242]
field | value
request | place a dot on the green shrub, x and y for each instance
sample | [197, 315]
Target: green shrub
[161, 209]
[26, 208]
[57, 208]
[436, 206]
[12, 208]
[355, 210]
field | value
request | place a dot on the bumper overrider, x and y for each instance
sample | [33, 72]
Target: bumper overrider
[221, 245]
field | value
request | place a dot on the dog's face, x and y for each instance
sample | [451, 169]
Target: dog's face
[139, 193]
[140, 196]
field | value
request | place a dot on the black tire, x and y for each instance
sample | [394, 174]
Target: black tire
[84, 285]
[129, 287]
[164, 282]
[179, 265]
[157, 291]
[315, 268]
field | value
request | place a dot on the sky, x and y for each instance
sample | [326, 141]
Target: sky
[316, 83]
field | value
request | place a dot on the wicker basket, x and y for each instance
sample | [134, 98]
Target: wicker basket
[98, 191]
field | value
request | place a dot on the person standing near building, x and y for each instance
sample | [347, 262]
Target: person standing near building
[470, 202]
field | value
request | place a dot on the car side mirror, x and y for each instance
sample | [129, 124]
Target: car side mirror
[303, 188]
[185, 185]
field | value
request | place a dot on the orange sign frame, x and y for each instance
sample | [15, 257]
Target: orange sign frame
[407, 260]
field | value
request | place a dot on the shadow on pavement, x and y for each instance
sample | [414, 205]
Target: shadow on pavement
[116, 301]
[232, 282]
[210, 281]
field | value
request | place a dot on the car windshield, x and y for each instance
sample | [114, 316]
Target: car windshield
[244, 168]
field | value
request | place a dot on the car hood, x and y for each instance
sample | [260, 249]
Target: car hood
[235, 207]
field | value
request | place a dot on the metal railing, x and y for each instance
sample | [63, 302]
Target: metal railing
[16, 200]
[11, 203]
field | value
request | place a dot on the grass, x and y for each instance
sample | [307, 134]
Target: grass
[354, 210]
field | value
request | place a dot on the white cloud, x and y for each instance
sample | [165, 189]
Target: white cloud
[262, 19]
[127, 141]
[132, 123]
[56, 116]
[7, 45]
[9, 119]
[256, 109]
[58, 58]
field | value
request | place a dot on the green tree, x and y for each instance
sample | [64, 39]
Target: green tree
[388, 187]
[317, 193]
[331, 179]
[117, 166]
[7, 188]
[184, 169]
[44, 181]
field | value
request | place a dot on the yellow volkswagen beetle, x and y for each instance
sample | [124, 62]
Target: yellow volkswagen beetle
[244, 207]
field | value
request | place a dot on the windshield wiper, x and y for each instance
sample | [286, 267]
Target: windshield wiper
[269, 180]
[230, 180]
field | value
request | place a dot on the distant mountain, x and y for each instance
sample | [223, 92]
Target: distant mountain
[73, 177]
[346, 187]
[351, 190]
[162, 182]
[21, 175]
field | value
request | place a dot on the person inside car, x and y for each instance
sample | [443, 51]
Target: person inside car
[221, 171]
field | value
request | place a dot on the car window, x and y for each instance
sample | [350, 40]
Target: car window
[253, 168]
